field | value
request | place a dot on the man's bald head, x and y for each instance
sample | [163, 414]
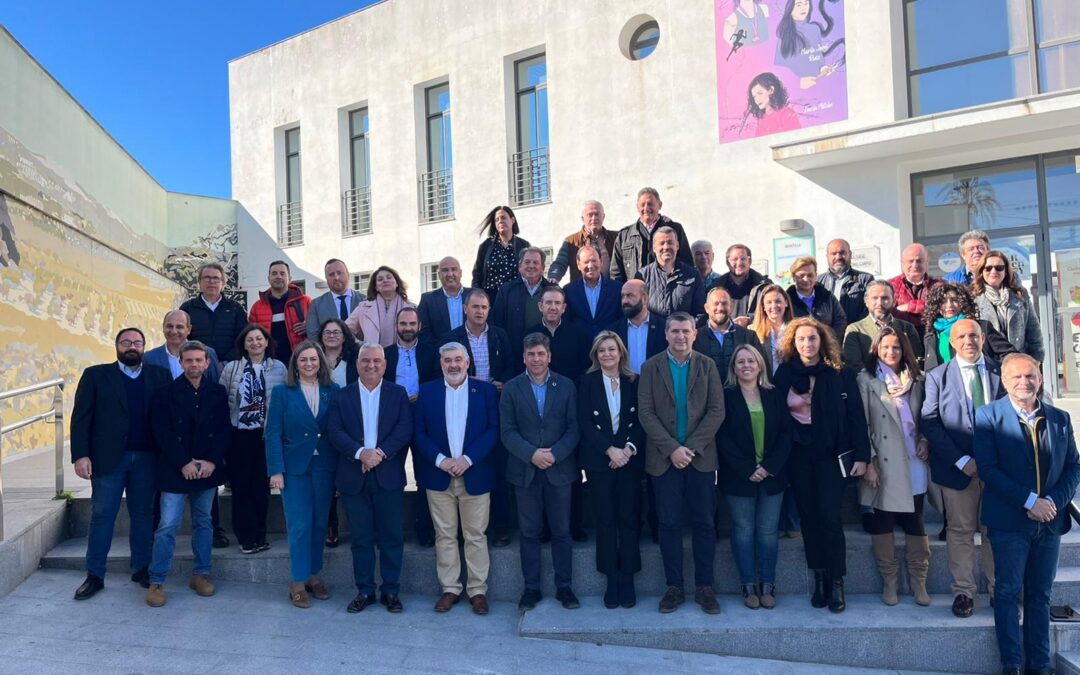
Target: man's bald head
[635, 299]
[966, 337]
[913, 263]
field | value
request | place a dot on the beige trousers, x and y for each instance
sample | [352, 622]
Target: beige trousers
[962, 511]
[447, 508]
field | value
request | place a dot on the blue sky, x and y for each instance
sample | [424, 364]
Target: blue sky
[155, 74]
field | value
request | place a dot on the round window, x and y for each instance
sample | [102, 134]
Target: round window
[639, 37]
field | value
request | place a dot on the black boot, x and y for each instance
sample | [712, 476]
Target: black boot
[837, 603]
[820, 597]
[627, 594]
[611, 595]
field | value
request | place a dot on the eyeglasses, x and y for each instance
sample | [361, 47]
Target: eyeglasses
[332, 333]
[127, 344]
[993, 268]
[212, 280]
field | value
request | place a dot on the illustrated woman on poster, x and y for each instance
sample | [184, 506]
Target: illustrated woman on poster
[767, 102]
[747, 25]
[802, 45]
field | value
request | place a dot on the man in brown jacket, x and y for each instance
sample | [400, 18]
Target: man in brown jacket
[681, 406]
[593, 234]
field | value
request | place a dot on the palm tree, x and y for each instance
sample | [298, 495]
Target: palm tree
[975, 196]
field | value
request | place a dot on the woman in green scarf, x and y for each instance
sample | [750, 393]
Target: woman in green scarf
[946, 304]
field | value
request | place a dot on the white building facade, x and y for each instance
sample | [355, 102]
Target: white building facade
[384, 137]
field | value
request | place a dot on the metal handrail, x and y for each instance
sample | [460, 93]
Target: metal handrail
[56, 412]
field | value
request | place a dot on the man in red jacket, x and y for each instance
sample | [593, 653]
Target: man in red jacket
[282, 309]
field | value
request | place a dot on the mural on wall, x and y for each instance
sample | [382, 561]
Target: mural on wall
[72, 274]
[780, 65]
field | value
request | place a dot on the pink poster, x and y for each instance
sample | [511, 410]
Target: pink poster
[780, 65]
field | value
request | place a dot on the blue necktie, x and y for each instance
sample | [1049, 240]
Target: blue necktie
[343, 311]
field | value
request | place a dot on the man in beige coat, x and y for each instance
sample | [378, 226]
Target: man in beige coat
[681, 406]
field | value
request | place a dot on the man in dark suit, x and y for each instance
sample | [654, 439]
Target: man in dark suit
[489, 361]
[680, 407]
[456, 429]
[954, 393]
[592, 300]
[176, 327]
[411, 362]
[517, 304]
[1027, 458]
[370, 425]
[538, 423]
[112, 447]
[721, 335]
[640, 330]
[443, 309]
[190, 421]
[336, 303]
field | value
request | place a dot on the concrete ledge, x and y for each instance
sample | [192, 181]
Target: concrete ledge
[34, 525]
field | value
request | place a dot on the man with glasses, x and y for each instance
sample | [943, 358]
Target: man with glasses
[111, 447]
[973, 245]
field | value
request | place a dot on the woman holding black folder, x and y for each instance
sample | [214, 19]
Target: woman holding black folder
[829, 444]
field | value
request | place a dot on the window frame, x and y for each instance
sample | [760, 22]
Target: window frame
[636, 43]
[288, 170]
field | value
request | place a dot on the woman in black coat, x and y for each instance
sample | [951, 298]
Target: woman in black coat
[497, 258]
[754, 444]
[828, 432]
[612, 453]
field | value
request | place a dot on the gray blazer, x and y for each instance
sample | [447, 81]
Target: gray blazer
[1023, 326]
[324, 308]
[523, 430]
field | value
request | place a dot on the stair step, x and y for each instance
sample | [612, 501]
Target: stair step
[1068, 663]
[418, 575]
[869, 634]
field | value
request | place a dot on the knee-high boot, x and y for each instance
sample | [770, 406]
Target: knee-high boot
[918, 564]
[885, 554]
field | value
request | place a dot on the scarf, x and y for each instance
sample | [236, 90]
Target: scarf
[251, 408]
[899, 388]
[801, 373]
[999, 299]
[943, 327]
[826, 432]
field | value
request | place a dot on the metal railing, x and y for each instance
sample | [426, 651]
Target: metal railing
[290, 224]
[436, 195]
[356, 212]
[530, 177]
[56, 412]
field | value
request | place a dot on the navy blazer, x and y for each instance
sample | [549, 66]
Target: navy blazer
[435, 315]
[735, 440]
[523, 430]
[160, 358]
[947, 421]
[481, 434]
[594, 420]
[99, 418]
[500, 365]
[293, 434]
[345, 424]
[608, 306]
[655, 342]
[1007, 465]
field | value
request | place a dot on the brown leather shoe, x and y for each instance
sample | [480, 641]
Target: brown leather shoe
[298, 596]
[479, 604]
[155, 597]
[673, 597]
[706, 597]
[315, 586]
[446, 601]
[200, 583]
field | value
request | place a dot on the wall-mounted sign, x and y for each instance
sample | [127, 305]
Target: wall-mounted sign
[785, 251]
[867, 260]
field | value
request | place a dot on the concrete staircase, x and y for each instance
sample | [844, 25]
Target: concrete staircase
[868, 634]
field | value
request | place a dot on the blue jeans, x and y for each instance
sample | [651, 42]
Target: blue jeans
[754, 532]
[1025, 561]
[202, 532]
[135, 475]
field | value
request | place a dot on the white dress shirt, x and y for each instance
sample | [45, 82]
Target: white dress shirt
[212, 306]
[966, 377]
[457, 413]
[614, 402]
[369, 408]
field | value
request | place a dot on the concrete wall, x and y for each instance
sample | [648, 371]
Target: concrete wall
[615, 126]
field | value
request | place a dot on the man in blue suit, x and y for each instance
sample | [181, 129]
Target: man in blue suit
[370, 425]
[1027, 458]
[177, 327]
[592, 300]
[641, 331]
[538, 425]
[456, 427]
[954, 392]
[443, 309]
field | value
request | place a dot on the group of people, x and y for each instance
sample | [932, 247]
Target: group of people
[669, 385]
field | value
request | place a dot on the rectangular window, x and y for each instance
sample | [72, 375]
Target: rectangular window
[290, 214]
[360, 281]
[437, 182]
[529, 168]
[429, 277]
[962, 53]
[357, 198]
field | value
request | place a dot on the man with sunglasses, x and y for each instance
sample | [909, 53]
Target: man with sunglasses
[111, 447]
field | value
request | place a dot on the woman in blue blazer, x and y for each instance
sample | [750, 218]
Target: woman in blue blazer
[612, 453]
[301, 464]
